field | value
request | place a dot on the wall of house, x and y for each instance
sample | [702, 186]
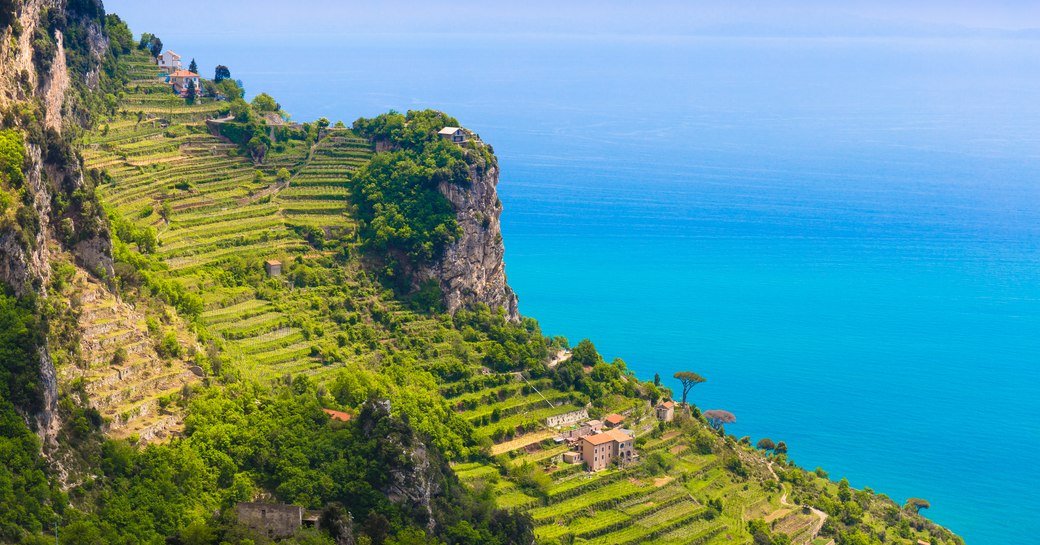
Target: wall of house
[567, 418]
[271, 519]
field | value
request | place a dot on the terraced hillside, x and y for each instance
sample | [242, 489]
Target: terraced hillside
[619, 505]
[217, 218]
[209, 207]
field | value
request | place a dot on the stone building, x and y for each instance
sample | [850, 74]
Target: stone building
[274, 520]
[567, 419]
[666, 411]
[597, 451]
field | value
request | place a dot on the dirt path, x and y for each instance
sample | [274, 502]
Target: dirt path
[821, 517]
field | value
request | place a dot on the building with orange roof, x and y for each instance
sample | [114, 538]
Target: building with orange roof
[597, 451]
[666, 411]
[180, 80]
[613, 420]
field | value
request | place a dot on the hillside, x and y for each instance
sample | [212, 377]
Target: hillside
[263, 271]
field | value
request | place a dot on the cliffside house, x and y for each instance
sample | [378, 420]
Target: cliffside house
[666, 411]
[454, 134]
[597, 451]
[273, 267]
[169, 61]
[275, 520]
[180, 80]
[613, 420]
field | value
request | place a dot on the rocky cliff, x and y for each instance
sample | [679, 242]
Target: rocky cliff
[472, 269]
[58, 207]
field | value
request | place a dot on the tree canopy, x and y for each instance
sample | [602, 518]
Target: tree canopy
[718, 417]
[265, 103]
[689, 379]
[221, 73]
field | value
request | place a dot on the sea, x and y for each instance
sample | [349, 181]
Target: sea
[841, 234]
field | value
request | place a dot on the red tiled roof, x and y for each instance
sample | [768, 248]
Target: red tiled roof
[599, 438]
[668, 404]
[184, 74]
[614, 419]
[607, 436]
[338, 415]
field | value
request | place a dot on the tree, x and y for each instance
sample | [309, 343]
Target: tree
[192, 92]
[916, 504]
[193, 67]
[781, 448]
[155, 46]
[221, 73]
[283, 175]
[689, 379]
[766, 444]
[264, 103]
[585, 354]
[718, 417]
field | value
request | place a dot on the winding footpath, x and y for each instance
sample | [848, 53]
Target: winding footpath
[821, 517]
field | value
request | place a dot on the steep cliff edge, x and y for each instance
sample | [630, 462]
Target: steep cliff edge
[472, 269]
[40, 101]
[430, 212]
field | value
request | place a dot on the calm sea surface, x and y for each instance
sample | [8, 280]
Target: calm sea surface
[843, 236]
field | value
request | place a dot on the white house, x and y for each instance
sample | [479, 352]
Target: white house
[169, 61]
[454, 134]
[180, 80]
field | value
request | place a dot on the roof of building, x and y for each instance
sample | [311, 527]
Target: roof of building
[449, 130]
[613, 419]
[668, 404]
[594, 423]
[172, 54]
[607, 437]
[273, 262]
[338, 415]
[184, 74]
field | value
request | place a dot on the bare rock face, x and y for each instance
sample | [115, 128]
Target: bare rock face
[472, 269]
[25, 261]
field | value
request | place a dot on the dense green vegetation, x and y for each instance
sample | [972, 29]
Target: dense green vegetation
[448, 442]
[404, 219]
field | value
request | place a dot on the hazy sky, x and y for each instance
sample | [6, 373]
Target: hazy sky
[803, 17]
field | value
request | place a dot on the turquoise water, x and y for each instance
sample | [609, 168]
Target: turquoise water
[843, 236]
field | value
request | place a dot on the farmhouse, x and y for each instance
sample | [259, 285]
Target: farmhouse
[666, 411]
[181, 79]
[275, 520]
[169, 61]
[454, 134]
[273, 267]
[613, 420]
[597, 451]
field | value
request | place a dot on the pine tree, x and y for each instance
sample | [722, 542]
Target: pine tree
[192, 92]
[193, 68]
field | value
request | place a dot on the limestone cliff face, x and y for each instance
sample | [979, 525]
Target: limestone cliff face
[472, 269]
[28, 82]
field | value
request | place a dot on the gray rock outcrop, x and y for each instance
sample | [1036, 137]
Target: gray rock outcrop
[472, 269]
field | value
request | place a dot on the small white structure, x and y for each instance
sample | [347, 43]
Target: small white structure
[454, 134]
[566, 419]
[169, 61]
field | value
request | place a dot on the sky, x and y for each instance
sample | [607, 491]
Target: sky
[280, 19]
